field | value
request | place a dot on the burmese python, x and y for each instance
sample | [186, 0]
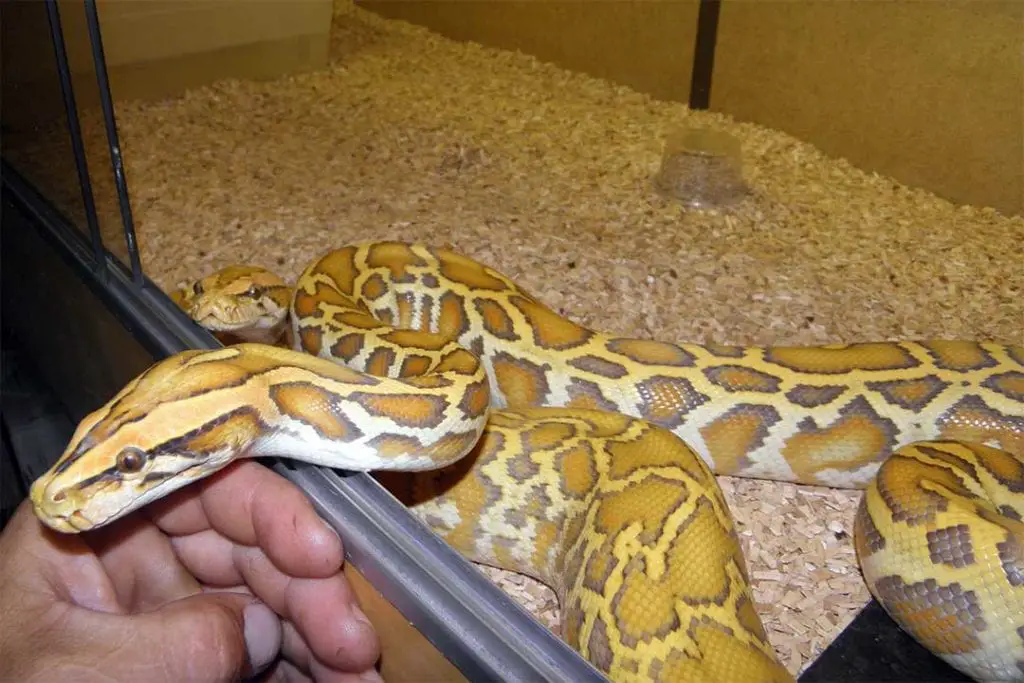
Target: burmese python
[565, 454]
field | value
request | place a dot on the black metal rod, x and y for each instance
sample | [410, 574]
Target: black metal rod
[74, 127]
[704, 54]
[92, 21]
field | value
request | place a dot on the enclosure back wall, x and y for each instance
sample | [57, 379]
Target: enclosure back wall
[161, 47]
[929, 93]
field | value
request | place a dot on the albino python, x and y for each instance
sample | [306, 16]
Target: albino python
[565, 454]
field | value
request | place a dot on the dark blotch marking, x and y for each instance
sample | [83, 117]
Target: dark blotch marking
[1004, 384]
[810, 396]
[476, 399]
[671, 355]
[948, 612]
[380, 362]
[734, 378]
[348, 346]
[452, 309]
[476, 347]
[1012, 560]
[584, 393]
[515, 518]
[951, 546]
[311, 338]
[495, 320]
[839, 359]
[911, 394]
[984, 359]
[667, 400]
[725, 350]
[1020, 634]
[599, 648]
[522, 467]
[374, 288]
[869, 539]
[1008, 511]
[344, 428]
[599, 366]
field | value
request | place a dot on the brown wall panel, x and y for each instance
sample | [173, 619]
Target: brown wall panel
[406, 655]
[645, 44]
[160, 48]
[930, 93]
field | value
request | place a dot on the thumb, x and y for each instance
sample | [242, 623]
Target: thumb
[206, 637]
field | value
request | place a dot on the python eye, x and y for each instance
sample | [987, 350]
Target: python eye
[197, 288]
[130, 460]
[252, 292]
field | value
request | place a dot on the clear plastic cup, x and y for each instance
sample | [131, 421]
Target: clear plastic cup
[702, 168]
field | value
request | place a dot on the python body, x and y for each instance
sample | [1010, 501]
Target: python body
[565, 454]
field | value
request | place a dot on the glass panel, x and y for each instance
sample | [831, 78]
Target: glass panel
[155, 54]
[94, 134]
[36, 136]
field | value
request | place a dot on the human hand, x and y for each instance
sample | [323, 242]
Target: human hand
[233, 575]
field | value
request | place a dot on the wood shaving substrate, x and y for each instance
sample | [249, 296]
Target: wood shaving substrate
[547, 175]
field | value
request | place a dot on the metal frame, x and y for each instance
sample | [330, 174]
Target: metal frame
[77, 145]
[92, 21]
[478, 627]
[704, 54]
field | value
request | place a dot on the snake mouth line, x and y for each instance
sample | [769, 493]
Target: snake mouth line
[227, 326]
[259, 326]
[74, 523]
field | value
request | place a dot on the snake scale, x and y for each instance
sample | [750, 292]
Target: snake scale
[586, 460]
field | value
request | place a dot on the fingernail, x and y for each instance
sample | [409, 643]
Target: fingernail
[331, 529]
[360, 615]
[262, 635]
[371, 676]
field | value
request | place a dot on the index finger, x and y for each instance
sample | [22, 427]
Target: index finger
[254, 506]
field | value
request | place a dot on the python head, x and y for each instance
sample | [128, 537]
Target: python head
[248, 302]
[170, 426]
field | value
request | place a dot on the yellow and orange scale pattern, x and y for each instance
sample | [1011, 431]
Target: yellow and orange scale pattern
[583, 475]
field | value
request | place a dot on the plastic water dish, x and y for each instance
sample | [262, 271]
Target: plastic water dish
[702, 168]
